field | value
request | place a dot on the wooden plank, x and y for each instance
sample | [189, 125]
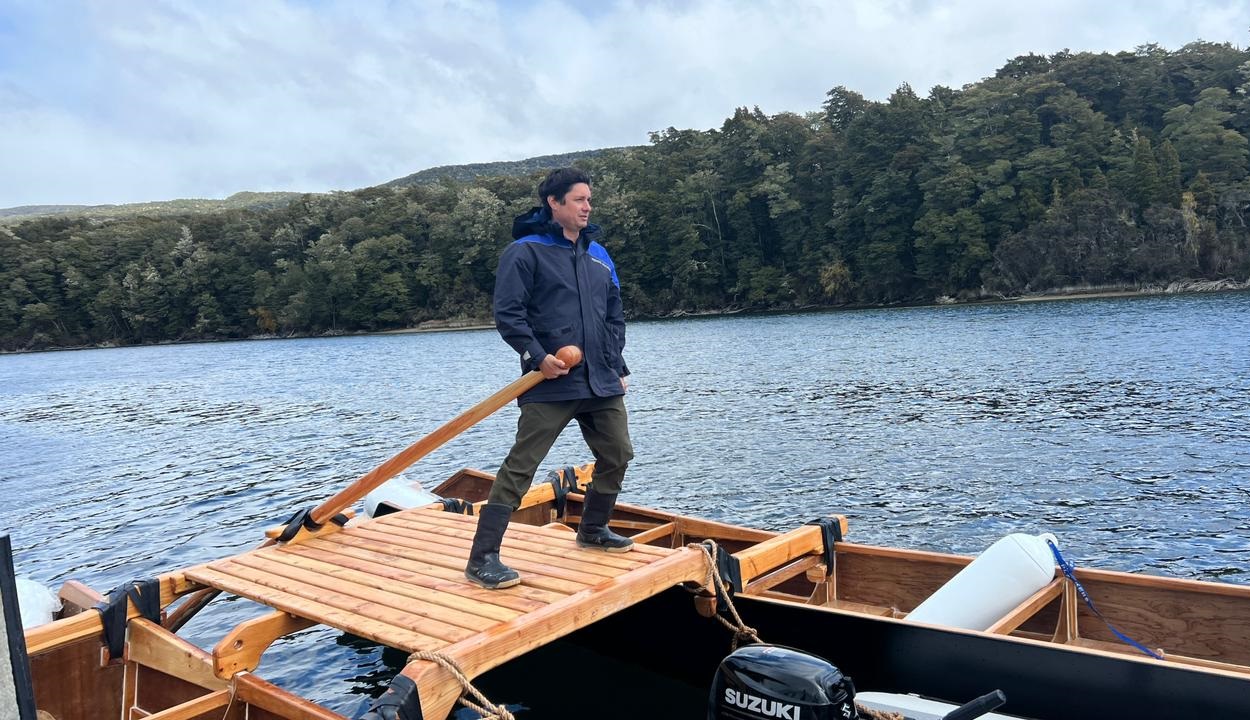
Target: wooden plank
[779, 550]
[258, 693]
[1066, 628]
[534, 533]
[363, 608]
[1180, 617]
[456, 589]
[878, 610]
[152, 645]
[441, 572]
[1197, 662]
[1027, 609]
[780, 575]
[559, 544]
[194, 708]
[378, 594]
[925, 556]
[240, 649]
[77, 597]
[1198, 588]
[530, 533]
[895, 580]
[438, 690]
[519, 560]
[378, 631]
[372, 575]
[77, 665]
[699, 528]
[655, 533]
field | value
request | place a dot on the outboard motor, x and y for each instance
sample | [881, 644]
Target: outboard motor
[779, 683]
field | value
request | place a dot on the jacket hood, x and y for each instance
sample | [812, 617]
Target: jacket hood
[537, 221]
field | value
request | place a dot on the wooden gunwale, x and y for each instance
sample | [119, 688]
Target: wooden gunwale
[1080, 645]
[87, 624]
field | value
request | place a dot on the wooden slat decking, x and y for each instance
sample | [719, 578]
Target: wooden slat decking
[399, 580]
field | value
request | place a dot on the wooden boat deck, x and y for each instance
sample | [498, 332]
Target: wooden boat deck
[399, 580]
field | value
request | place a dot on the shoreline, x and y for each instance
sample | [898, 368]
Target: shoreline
[1184, 287]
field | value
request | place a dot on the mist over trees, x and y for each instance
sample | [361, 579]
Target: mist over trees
[1070, 170]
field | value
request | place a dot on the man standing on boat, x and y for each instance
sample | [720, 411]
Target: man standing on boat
[556, 286]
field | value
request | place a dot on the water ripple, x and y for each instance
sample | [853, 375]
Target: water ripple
[1121, 425]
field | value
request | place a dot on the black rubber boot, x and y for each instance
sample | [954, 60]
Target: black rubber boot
[484, 567]
[593, 532]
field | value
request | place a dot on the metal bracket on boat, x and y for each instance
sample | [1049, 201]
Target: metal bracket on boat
[399, 702]
[831, 533]
[302, 519]
[460, 506]
[146, 595]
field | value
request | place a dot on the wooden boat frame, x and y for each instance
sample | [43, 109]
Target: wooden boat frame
[1051, 655]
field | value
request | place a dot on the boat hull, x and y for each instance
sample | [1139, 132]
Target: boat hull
[1040, 680]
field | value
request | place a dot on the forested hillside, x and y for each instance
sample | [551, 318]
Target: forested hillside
[237, 201]
[1072, 170]
[470, 173]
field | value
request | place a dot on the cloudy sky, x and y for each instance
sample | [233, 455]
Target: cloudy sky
[112, 101]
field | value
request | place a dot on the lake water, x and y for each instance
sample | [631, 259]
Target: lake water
[1121, 425]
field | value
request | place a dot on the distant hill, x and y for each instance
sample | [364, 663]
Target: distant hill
[468, 173]
[239, 200]
[267, 200]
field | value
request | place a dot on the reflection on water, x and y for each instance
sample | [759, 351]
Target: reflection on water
[1123, 426]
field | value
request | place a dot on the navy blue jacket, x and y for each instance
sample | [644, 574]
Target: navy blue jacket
[549, 293]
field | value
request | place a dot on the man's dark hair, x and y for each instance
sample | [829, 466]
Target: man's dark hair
[558, 183]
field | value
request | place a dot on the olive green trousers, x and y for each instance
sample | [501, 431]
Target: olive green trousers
[605, 427]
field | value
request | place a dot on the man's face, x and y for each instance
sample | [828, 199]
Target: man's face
[573, 213]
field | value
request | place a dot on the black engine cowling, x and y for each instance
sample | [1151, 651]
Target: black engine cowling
[779, 683]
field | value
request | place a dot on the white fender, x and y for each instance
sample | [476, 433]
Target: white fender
[399, 493]
[998, 580]
[37, 603]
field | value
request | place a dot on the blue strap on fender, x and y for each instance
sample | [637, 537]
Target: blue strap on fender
[1069, 572]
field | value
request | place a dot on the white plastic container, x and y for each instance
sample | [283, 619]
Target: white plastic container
[998, 580]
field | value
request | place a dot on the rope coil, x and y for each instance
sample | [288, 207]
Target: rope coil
[740, 630]
[487, 709]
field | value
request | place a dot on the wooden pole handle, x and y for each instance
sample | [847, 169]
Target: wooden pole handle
[414, 452]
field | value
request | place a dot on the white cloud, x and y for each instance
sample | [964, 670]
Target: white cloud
[123, 102]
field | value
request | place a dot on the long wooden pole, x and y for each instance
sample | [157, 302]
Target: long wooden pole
[569, 355]
[414, 452]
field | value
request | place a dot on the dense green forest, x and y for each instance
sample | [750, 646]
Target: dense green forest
[1073, 170]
